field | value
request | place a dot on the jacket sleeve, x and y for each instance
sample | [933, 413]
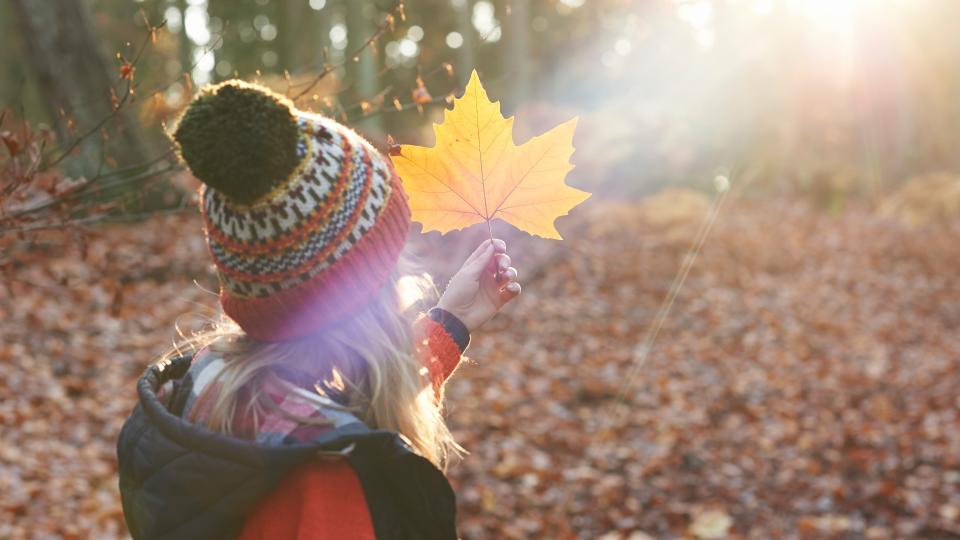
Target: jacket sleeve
[320, 500]
[439, 342]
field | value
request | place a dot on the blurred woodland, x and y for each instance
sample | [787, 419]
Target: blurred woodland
[803, 384]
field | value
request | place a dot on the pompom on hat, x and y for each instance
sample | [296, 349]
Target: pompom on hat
[305, 220]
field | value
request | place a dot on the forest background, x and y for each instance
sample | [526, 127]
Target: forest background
[801, 386]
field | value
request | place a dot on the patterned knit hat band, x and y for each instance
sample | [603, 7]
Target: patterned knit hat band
[297, 252]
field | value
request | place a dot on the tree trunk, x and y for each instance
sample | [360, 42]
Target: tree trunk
[291, 22]
[184, 45]
[362, 74]
[467, 54]
[72, 75]
[517, 37]
[320, 35]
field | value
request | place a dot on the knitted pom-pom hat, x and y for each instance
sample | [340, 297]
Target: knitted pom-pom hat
[304, 219]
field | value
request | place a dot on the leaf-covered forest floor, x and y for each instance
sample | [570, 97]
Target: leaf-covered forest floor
[804, 386]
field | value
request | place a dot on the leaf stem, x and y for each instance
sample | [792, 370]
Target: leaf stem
[496, 267]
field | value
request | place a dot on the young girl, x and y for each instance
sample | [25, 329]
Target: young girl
[316, 412]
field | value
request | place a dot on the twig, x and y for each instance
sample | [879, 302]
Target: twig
[143, 165]
[116, 108]
[383, 109]
[84, 191]
[100, 218]
[206, 50]
[387, 23]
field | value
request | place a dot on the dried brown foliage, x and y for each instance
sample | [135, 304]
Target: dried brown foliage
[930, 199]
[30, 194]
[803, 387]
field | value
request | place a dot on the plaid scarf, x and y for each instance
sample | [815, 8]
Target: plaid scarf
[197, 390]
[439, 342]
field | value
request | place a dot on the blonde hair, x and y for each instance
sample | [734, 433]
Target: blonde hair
[368, 360]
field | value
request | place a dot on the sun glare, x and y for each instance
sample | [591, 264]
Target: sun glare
[830, 9]
[411, 290]
[838, 17]
[838, 14]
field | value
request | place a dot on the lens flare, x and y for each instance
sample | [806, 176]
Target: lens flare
[411, 289]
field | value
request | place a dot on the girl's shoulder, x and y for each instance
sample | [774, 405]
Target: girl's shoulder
[180, 395]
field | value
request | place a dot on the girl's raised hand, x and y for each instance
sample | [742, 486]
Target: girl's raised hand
[483, 285]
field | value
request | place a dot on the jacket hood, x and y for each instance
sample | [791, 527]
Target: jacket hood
[180, 480]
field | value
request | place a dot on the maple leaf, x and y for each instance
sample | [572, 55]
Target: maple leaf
[475, 173]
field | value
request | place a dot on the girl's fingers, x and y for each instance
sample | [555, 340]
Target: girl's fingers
[475, 266]
[479, 253]
[497, 265]
[498, 245]
[508, 274]
[509, 292]
[503, 262]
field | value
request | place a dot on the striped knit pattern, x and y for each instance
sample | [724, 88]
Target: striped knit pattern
[287, 262]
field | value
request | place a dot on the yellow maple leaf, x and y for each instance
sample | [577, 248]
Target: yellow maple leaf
[475, 173]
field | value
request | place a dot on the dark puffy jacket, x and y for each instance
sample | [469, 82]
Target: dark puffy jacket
[181, 481]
